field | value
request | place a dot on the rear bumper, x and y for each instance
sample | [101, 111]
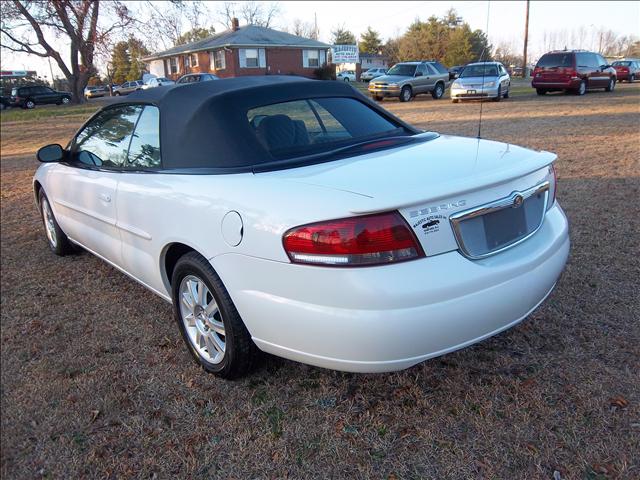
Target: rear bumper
[388, 318]
[571, 84]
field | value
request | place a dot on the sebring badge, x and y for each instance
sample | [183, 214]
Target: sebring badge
[437, 208]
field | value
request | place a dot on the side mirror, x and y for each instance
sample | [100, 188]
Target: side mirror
[50, 153]
[418, 74]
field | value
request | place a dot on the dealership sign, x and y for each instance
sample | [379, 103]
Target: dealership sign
[345, 54]
[17, 73]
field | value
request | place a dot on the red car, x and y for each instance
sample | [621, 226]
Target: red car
[573, 70]
[627, 70]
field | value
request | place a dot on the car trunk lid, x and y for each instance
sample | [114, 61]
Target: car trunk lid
[428, 182]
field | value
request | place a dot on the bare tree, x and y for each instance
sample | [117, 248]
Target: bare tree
[33, 27]
[253, 13]
[167, 22]
[303, 29]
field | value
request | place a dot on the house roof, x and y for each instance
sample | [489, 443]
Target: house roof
[247, 36]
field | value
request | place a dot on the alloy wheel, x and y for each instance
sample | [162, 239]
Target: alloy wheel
[202, 319]
[65, 100]
[49, 225]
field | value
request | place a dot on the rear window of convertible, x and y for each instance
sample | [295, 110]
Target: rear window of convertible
[304, 127]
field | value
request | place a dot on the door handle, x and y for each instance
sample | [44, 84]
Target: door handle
[105, 197]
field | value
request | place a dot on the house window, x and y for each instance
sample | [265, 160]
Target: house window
[194, 59]
[217, 60]
[187, 61]
[252, 58]
[313, 59]
[251, 55]
[173, 65]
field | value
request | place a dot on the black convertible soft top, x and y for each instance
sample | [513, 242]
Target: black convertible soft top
[204, 125]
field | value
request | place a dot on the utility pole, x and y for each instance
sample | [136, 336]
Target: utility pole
[51, 70]
[315, 26]
[526, 41]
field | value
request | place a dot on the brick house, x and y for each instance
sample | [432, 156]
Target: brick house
[247, 50]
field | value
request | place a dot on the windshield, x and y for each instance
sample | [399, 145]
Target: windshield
[621, 64]
[404, 69]
[551, 60]
[304, 127]
[479, 71]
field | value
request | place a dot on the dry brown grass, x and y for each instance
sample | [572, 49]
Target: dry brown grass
[96, 382]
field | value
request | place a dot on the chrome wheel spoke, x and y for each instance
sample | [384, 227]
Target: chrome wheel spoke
[202, 294]
[217, 326]
[211, 309]
[190, 320]
[187, 300]
[216, 343]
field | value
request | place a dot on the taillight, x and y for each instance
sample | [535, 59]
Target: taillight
[354, 241]
[553, 187]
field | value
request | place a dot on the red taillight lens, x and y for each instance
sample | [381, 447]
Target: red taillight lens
[355, 241]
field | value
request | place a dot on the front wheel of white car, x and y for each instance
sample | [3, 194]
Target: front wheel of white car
[56, 238]
[208, 320]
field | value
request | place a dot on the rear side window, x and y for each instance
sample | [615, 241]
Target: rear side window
[144, 151]
[439, 67]
[304, 127]
[551, 60]
[104, 141]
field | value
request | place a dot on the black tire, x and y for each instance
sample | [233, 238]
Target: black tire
[378, 98]
[632, 78]
[240, 352]
[506, 94]
[541, 91]
[29, 104]
[406, 93]
[582, 88]
[117, 94]
[61, 246]
[498, 97]
[438, 91]
[454, 100]
[611, 85]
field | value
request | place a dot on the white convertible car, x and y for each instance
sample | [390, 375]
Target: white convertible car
[299, 218]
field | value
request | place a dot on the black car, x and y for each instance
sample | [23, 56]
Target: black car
[5, 102]
[197, 77]
[29, 97]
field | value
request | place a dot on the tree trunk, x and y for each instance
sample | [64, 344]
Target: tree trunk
[76, 85]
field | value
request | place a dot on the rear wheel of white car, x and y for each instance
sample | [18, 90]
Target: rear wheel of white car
[438, 91]
[208, 320]
[56, 238]
[405, 93]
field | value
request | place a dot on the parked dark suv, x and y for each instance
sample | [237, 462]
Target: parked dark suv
[575, 70]
[29, 97]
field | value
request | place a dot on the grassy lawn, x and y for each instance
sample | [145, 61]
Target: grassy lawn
[96, 381]
[48, 111]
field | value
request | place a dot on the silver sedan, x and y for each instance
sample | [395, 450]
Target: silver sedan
[481, 80]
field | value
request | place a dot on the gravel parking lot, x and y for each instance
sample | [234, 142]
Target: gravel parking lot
[97, 383]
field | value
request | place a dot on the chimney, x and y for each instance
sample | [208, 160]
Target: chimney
[235, 24]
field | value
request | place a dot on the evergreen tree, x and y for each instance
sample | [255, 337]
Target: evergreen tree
[121, 62]
[194, 35]
[136, 50]
[370, 42]
[342, 36]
